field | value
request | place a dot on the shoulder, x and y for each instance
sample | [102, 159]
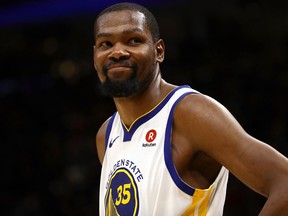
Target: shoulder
[197, 102]
[201, 108]
[204, 122]
[100, 140]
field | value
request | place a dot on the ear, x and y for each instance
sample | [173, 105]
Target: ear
[94, 49]
[94, 53]
[160, 50]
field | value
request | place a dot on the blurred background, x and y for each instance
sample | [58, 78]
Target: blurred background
[50, 106]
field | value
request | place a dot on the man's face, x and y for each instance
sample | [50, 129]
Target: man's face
[124, 53]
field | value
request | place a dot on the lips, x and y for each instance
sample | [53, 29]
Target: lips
[122, 64]
[119, 72]
[118, 69]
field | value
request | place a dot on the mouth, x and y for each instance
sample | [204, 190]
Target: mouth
[119, 72]
[116, 69]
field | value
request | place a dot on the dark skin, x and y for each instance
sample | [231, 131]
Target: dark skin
[205, 135]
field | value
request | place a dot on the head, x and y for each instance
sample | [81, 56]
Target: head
[127, 50]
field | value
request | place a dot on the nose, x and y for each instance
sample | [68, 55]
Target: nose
[119, 52]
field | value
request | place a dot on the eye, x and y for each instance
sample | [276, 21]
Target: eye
[135, 41]
[104, 44]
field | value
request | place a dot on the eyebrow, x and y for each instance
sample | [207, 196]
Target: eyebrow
[128, 31]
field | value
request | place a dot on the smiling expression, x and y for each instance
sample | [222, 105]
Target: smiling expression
[125, 55]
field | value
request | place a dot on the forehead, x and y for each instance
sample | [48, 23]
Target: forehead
[120, 21]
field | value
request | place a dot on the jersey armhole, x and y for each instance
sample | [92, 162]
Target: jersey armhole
[167, 149]
[108, 129]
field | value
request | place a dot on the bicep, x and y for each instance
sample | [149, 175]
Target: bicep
[217, 133]
[259, 165]
[100, 141]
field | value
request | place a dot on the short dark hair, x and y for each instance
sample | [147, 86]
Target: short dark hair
[150, 19]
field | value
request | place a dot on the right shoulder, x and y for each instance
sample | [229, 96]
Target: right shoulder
[100, 140]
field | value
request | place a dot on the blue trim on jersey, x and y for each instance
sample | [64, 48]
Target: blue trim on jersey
[167, 151]
[128, 134]
[108, 130]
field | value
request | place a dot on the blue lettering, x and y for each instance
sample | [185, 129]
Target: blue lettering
[133, 168]
[139, 178]
[131, 164]
[126, 163]
[138, 171]
[122, 162]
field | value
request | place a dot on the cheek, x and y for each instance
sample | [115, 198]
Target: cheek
[98, 67]
[147, 60]
[99, 60]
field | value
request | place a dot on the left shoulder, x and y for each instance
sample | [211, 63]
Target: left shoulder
[202, 107]
[207, 124]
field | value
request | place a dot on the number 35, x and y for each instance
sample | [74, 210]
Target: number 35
[123, 194]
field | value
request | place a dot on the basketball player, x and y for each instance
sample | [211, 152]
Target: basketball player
[168, 149]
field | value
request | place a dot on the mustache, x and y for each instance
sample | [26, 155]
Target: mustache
[113, 64]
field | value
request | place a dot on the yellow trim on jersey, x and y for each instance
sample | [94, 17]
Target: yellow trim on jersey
[111, 206]
[111, 209]
[200, 202]
[128, 128]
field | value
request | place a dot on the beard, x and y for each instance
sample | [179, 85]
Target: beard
[128, 87]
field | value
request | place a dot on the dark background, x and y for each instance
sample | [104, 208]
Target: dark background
[51, 108]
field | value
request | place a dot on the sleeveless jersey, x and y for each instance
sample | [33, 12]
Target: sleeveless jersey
[138, 176]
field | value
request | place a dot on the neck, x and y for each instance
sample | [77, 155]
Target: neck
[131, 108]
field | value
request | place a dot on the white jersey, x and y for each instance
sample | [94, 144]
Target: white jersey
[138, 175]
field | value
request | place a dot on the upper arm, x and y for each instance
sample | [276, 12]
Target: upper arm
[213, 130]
[100, 141]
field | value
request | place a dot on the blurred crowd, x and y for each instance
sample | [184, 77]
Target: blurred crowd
[51, 107]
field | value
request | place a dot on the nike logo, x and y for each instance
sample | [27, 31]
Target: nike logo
[112, 141]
